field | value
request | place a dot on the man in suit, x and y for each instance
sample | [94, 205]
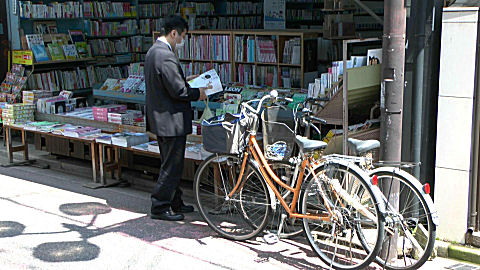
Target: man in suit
[169, 116]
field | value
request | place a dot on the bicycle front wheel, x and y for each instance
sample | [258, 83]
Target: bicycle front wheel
[354, 205]
[242, 216]
[410, 230]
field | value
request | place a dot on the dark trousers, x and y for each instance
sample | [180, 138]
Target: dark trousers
[166, 192]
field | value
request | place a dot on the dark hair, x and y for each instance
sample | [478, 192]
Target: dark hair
[174, 22]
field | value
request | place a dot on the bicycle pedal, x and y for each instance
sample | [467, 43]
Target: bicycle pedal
[270, 238]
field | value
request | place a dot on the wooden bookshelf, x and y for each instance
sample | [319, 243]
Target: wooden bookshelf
[280, 37]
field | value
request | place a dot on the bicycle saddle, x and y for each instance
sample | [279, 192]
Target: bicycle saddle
[360, 146]
[307, 145]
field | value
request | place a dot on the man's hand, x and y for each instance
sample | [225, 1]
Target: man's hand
[191, 77]
[203, 95]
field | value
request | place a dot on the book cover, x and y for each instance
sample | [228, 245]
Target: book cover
[34, 39]
[19, 85]
[40, 52]
[76, 36]
[82, 49]
[131, 83]
[70, 52]
[109, 84]
[80, 131]
[374, 57]
[60, 39]
[153, 147]
[105, 139]
[56, 52]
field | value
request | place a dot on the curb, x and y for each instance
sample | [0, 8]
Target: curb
[458, 252]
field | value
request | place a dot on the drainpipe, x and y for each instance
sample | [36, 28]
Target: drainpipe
[430, 97]
[473, 221]
[420, 7]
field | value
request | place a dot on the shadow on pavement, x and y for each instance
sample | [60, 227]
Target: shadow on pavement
[74, 251]
[11, 228]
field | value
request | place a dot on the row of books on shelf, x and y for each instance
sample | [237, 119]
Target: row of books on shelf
[244, 7]
[147, 26]
[305, 1]
[57, 80]
[248, 22]
[70, 9]
[109, 9]
[304, 14]
[156, 10]
[292, 52]
[134, 84]
[122, 45]
[266, 52]
[291, 78]
[268, 76]
[327, 84]
[58, 49]
[224, 71]
[206, 47]
[196, 8]
[117, 72]
[98, 28]
[245, 48]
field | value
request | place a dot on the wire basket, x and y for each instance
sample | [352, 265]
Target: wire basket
[225, 134]
[278, 135]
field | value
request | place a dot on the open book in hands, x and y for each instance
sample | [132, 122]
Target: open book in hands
[207, 79]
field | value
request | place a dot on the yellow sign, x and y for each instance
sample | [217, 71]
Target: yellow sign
[22, 57]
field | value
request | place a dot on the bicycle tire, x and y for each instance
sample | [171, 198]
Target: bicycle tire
[228, 217]
[353, 256]
[426, 227]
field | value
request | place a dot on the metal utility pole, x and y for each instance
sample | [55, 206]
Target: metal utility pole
[391, 100]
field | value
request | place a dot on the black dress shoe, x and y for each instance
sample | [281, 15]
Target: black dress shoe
[167, 215]
[184, 209]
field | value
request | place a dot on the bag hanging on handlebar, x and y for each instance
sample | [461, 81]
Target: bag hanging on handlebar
[225, 134]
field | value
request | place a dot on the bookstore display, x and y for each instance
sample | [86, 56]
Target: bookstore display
[88, 61]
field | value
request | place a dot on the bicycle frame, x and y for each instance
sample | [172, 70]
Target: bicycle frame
[268, 174]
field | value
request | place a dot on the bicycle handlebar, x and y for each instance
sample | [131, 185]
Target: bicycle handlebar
[273, 95]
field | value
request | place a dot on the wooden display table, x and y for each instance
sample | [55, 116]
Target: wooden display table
[24, 147]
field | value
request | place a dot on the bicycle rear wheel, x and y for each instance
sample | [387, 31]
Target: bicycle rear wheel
[411, 220]
[354, 202]
[242, 216]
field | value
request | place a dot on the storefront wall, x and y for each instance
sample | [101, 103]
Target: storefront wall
[458, 70]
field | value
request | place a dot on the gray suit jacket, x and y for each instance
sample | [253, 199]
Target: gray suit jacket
[168, 94]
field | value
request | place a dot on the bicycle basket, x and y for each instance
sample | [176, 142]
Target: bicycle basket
[225, 134]
[278, 135]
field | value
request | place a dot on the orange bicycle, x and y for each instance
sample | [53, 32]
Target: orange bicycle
[236, 190]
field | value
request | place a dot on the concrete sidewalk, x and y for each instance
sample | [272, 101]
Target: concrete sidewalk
[49, 221]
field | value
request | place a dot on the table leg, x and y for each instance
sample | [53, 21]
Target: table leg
[25, 145]
[108, 151]
[101, 155]
[93, 154]
[9, 144]
[117, 162]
